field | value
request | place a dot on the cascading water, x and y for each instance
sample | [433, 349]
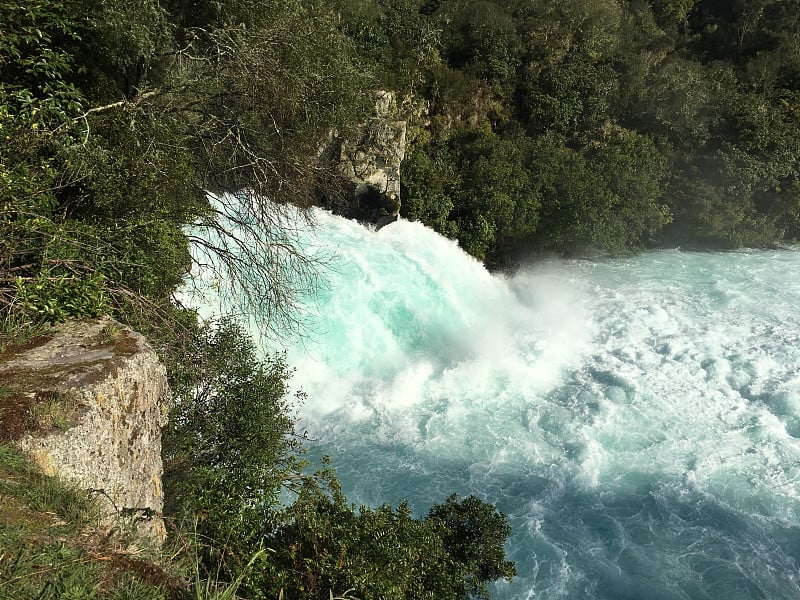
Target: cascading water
[637, 419]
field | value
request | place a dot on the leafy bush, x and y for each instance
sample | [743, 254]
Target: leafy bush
[234, 474]
[473, 533]
[230, 444]
[116, 117]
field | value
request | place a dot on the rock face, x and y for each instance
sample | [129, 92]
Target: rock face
[86, 403]
[371, 165]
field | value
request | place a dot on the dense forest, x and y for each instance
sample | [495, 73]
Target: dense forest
[595, 125]
[572, 127]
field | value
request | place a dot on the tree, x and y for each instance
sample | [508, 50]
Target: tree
[124, 117]
[41, 274]
[452, 554]
[233, 467]
[230, 445]
[633, 169]
[474, 534]
[481, 38]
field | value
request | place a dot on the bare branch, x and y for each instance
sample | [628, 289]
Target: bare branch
[251, 247]
[105, 107]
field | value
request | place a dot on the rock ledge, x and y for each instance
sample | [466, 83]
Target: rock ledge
[87, 403]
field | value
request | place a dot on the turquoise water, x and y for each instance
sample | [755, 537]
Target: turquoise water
[637, 419]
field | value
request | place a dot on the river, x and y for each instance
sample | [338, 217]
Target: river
[638, 419]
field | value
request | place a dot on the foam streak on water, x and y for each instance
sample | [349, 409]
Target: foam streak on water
[638, 419]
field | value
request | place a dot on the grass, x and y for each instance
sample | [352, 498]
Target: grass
[38, 515]
[45, 571]
[15, 330]
[49, 544]
[52, 410]
[52, 549]
[111, 332]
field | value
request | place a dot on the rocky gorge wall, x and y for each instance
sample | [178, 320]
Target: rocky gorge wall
[369, 165]
[86, 402]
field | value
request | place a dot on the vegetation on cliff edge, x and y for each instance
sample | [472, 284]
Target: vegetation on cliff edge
[594, 125]
[579, 127]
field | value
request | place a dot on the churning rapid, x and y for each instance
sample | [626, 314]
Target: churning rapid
[638, 419]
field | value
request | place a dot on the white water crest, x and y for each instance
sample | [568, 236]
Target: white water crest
[638, 419]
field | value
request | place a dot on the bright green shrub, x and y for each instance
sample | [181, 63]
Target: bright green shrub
[233, 472]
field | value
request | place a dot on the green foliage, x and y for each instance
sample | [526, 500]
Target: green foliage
[632, 168]
[428, 173]
[230, 425]
[67, 501]
[53, 572]
[269, 528]
[116, 117]
[498, 206]
[21, 481]
[53, 298]
[129, 587]
[379, 553]
[393, 39]
[129, 39]
[47, 549]
[673, 14]
[229, 447]
[13, 462]
[476, 188]
[43, 264]
[481, 38]
[36, 64]
[327, 546]
[569, 98]
[473, 533]
[503, 195]
[579, 126]
[438, 182]
[38, 102]
[303, 65]
[644, 123]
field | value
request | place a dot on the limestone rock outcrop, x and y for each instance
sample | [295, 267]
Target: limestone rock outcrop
[371, 165]
[87, 403]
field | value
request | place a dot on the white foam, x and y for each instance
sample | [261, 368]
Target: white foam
[671, 378]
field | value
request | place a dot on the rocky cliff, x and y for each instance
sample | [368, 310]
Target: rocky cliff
[370, 165]
[86, 403]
